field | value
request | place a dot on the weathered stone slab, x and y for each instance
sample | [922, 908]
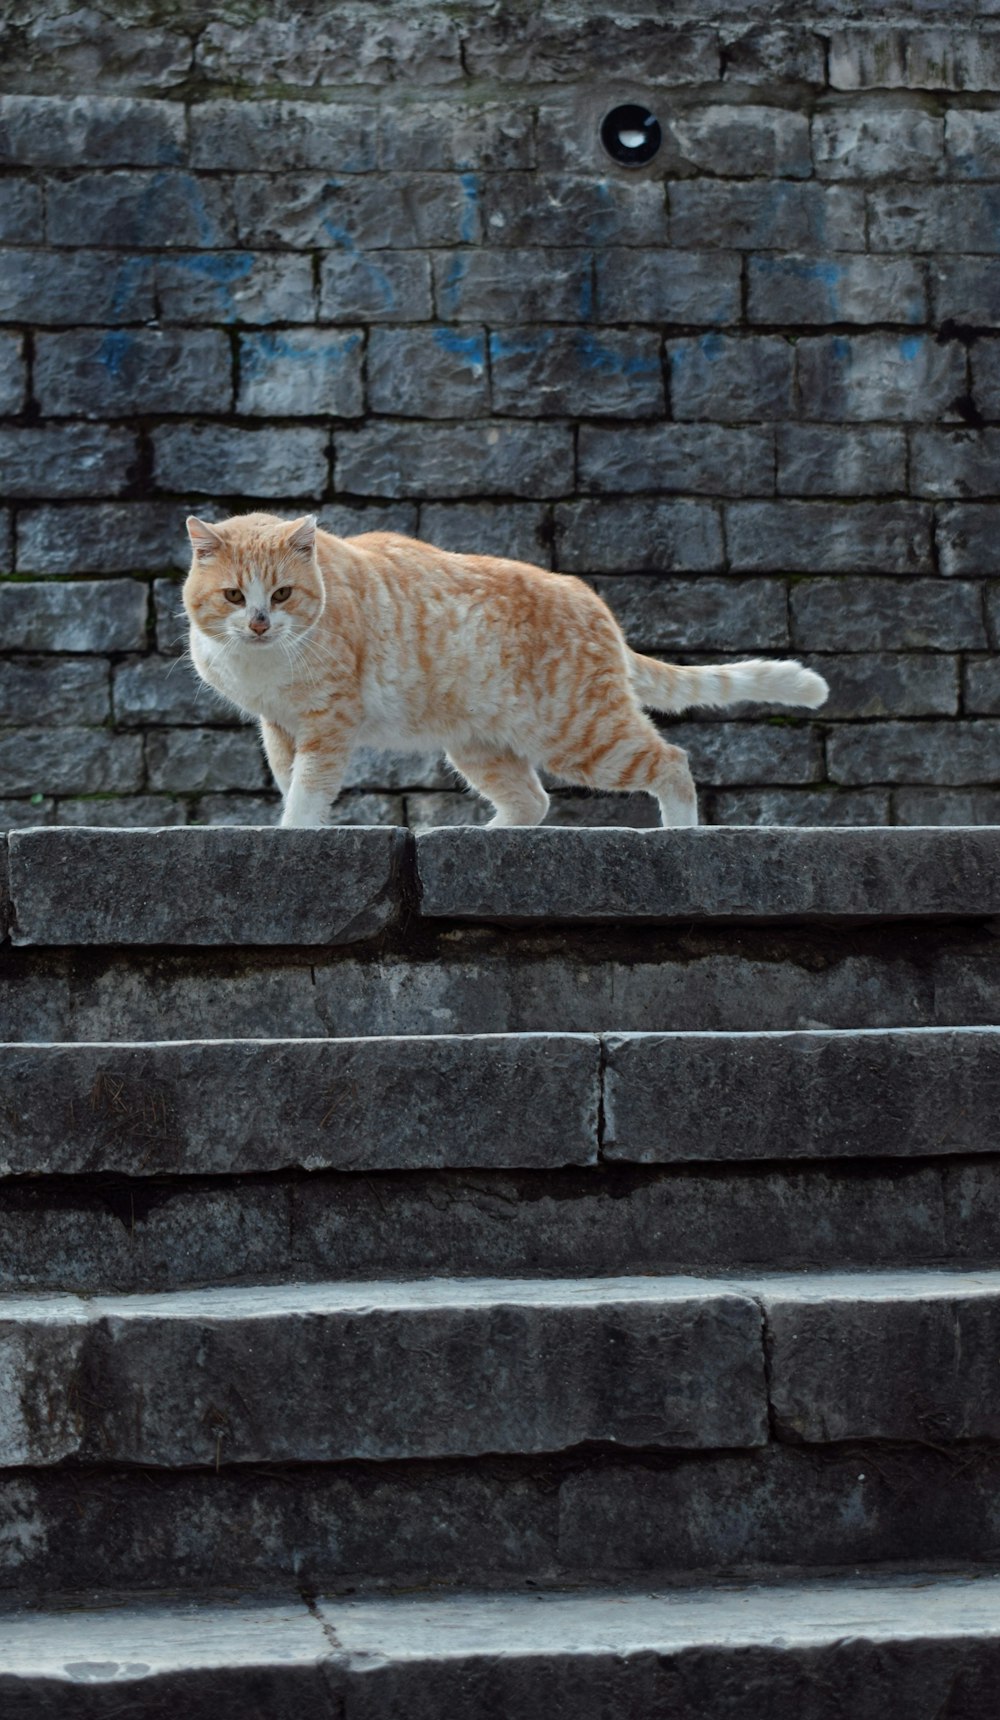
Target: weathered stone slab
[197, 886]
[885, 1645]
[228, 1106]
[890, 1355]
[709, 873]
[433, 1368]
[210, 1660]
[903, 1094]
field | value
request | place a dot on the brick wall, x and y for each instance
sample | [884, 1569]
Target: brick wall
[375, 262]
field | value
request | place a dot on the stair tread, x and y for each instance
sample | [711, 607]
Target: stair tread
[111, 1639]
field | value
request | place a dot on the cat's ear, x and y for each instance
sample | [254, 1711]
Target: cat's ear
[302, 537]
[205, 540]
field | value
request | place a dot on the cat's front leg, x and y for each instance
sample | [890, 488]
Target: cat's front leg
[318, 771]
[280, 750]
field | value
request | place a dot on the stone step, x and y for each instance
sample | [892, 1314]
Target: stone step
[462, 1368]
[243, 887]
[626, 1515]
[531, 1101]
[917, 1645]
[150, 1233]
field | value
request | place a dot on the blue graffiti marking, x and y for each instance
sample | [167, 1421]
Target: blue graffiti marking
[469, 347]
[911, 346]
[113, 350]
[469, 229]
[594, 356]
[452, 283]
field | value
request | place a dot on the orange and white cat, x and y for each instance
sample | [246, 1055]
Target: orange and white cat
[333, 642]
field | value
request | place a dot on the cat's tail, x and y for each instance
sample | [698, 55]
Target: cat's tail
[669, 687]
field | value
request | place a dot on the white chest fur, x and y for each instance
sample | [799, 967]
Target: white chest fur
[257, 678]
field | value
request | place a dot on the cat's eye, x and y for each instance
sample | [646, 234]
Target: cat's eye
[234, 595]
[282, 594]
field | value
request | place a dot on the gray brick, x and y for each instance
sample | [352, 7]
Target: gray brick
[385, 285]
[981, 687]
[298, 372]
[139, 209]
[434, 136]
[966, 290]
[769, 54]
[536, 371]
[549, 48]
[884, 614]
[968, 538]
[866, 59]
[948, 218]
[230, 809]
[716, 376]
[698, 459]
[235, 286]
[167, 690]
[517, 530]
[92, 615]
[6, 539]
[267, 462]
[430, 373]
[91, 131]
[56, 690]
[109, 537]
[972, 139]
[374, 768]
[498, 287]
[193, 761]
[803, 807]
[132, 370]
[767, 217]
[742, 142]
[67, 460]
[629, 537]
[722, 754]
[69, 761]
[828, 460]
[171, 621]
[84, 287]
[122, 812]
[489, 459]
[986, 377]
[698, 614]
[13, 373]
[835, 290]
[287, 136]
[950, 59]
[946, 463]
[829, 537]
[937, 806]
[906, 377]
[871, 140]
[432, 811]
[98, 50]
[360, 212]
[352, 519]
[888, 684]
[946, 753]
[562, 209]
[332, 48]
[27, 813]
[657, 286]
[20, 212]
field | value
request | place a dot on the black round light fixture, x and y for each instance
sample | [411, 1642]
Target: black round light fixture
[631, 134]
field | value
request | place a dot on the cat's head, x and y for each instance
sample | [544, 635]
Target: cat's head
[254, 579]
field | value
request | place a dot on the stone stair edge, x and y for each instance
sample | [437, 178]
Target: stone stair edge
[446, 1102]
[907, 1641]
[387, 874]
[676, 1362]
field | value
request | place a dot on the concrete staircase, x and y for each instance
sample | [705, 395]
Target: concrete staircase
[500, 1274]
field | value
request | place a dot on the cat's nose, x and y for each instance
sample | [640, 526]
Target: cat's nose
[260, 624]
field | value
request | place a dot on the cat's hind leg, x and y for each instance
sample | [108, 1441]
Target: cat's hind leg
[627, 753]
[509, 782]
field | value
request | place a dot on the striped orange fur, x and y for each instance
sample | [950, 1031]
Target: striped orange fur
[333, 642]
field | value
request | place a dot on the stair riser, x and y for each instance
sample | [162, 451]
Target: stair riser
[500, 1521]
[497, 983]
[151, 1235]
